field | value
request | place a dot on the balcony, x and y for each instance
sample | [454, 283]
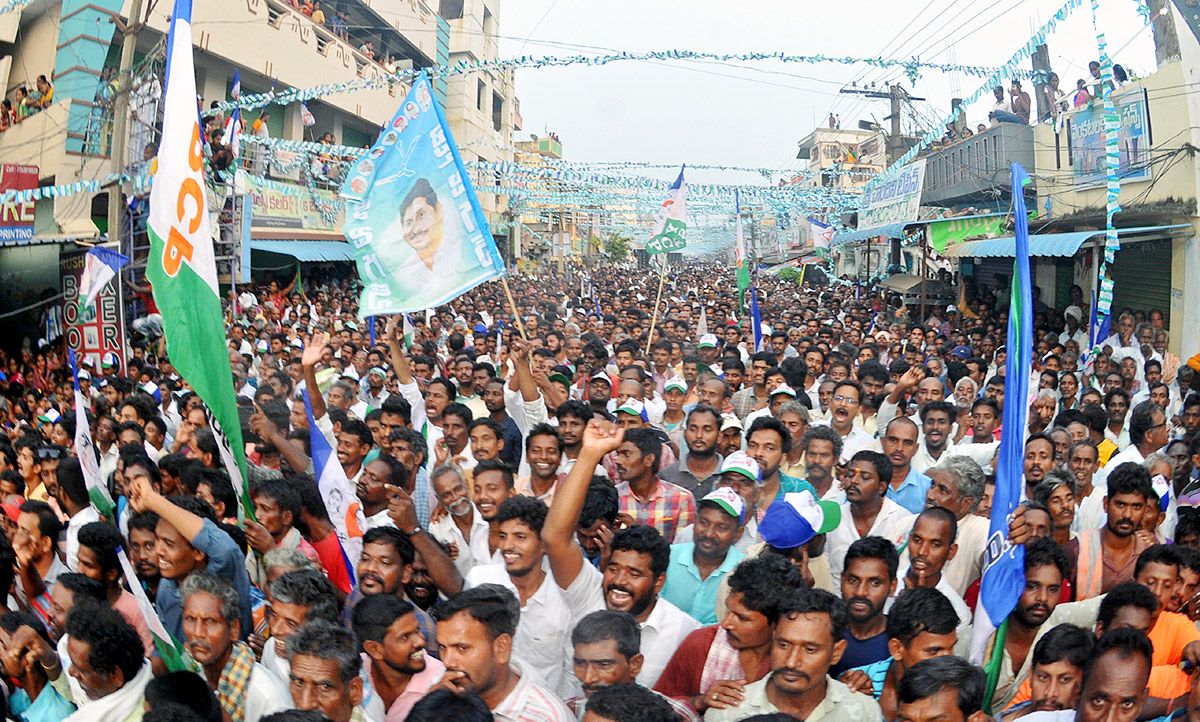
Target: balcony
[270, 38]
[977, 169]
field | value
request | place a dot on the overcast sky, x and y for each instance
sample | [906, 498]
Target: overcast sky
[753, 114]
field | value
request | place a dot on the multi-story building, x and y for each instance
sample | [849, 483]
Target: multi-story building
[77, 45]
[481, 106]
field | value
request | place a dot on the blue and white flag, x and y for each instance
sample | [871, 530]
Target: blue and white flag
[756, 319]
[234, 124]
[412, 217]
[306, 116]
[100, 266]
[1004, 562]
[340, 498]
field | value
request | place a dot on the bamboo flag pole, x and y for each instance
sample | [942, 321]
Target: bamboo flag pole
[513, 306]
[657, 302]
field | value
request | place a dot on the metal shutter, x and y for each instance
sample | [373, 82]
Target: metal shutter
[1142, 277]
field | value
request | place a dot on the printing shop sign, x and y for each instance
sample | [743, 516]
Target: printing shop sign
[895, 199]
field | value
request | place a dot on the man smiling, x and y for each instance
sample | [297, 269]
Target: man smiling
[696, 568]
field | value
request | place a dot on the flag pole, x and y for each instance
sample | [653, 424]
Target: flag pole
[512, 304]
[657, 302]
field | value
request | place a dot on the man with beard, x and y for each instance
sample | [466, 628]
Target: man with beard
[868, 581]
[698, 466]
[712, 667]
[808, 639]
[385, 567]
[937, 424]
[543, 633]
[463, 529]
[769, 442]
[1057, 674]
[397, 671]
[920, 626]
[1037, 612]
[211, 627]
[599, 390]
[908, 486]
[420, 588]
[1108, 556]
[636, 568]
[477, 627]
[868, 509]
[142, 552]
[607, 652]
[1039, 459]
[696, 568]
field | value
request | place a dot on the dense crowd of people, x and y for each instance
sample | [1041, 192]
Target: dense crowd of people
[585, 510]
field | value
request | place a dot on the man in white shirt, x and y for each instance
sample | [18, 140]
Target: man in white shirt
[477, 630]
[866, 507]
[843, 410]
[543, 636]
[463, 529]
[636, 569]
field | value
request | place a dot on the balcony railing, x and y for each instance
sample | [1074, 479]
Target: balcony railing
[976, 166]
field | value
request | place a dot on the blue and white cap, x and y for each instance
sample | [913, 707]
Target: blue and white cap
[796, 518]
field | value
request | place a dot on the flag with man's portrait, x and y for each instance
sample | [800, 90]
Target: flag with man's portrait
[412, 217]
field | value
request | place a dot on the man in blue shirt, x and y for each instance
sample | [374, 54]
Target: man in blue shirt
[920, 626]
[696, 568]
[900, 442]
[188, 540]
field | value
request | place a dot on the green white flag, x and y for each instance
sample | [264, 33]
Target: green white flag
[670, 223]
[182, 267]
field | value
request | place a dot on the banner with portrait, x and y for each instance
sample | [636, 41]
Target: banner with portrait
[412, 216]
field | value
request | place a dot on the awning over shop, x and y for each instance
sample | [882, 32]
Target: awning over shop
[890, 230]
[1061, 245]
[306, 251]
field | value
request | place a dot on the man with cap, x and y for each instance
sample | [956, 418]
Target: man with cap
[741, 474]
[729, 438]
[780, 395]
[631, 414]
[599, 390]
[1073, 315]
[697, 567]
[374, 394]
[707, 348]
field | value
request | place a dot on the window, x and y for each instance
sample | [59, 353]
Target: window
[497, 112]
[480, 95]
[451, 9]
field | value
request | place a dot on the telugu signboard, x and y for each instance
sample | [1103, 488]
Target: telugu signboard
[98, 328]
[895, 199]
[1133, 142]
[16, 218]
[314, 210]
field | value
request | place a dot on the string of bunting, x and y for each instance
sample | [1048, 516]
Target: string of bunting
[911, 66]
[1009, 70]
[1112, 167]
[141, 183]
[10, 5]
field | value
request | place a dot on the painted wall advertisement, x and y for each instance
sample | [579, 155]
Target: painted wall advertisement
[97, 329]
[16, 218]
[895, 199]
[1133, 142]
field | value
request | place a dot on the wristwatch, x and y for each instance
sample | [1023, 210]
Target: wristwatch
[416, 530]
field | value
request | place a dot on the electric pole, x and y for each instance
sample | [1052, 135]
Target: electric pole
[897, 95]
[120, 135]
